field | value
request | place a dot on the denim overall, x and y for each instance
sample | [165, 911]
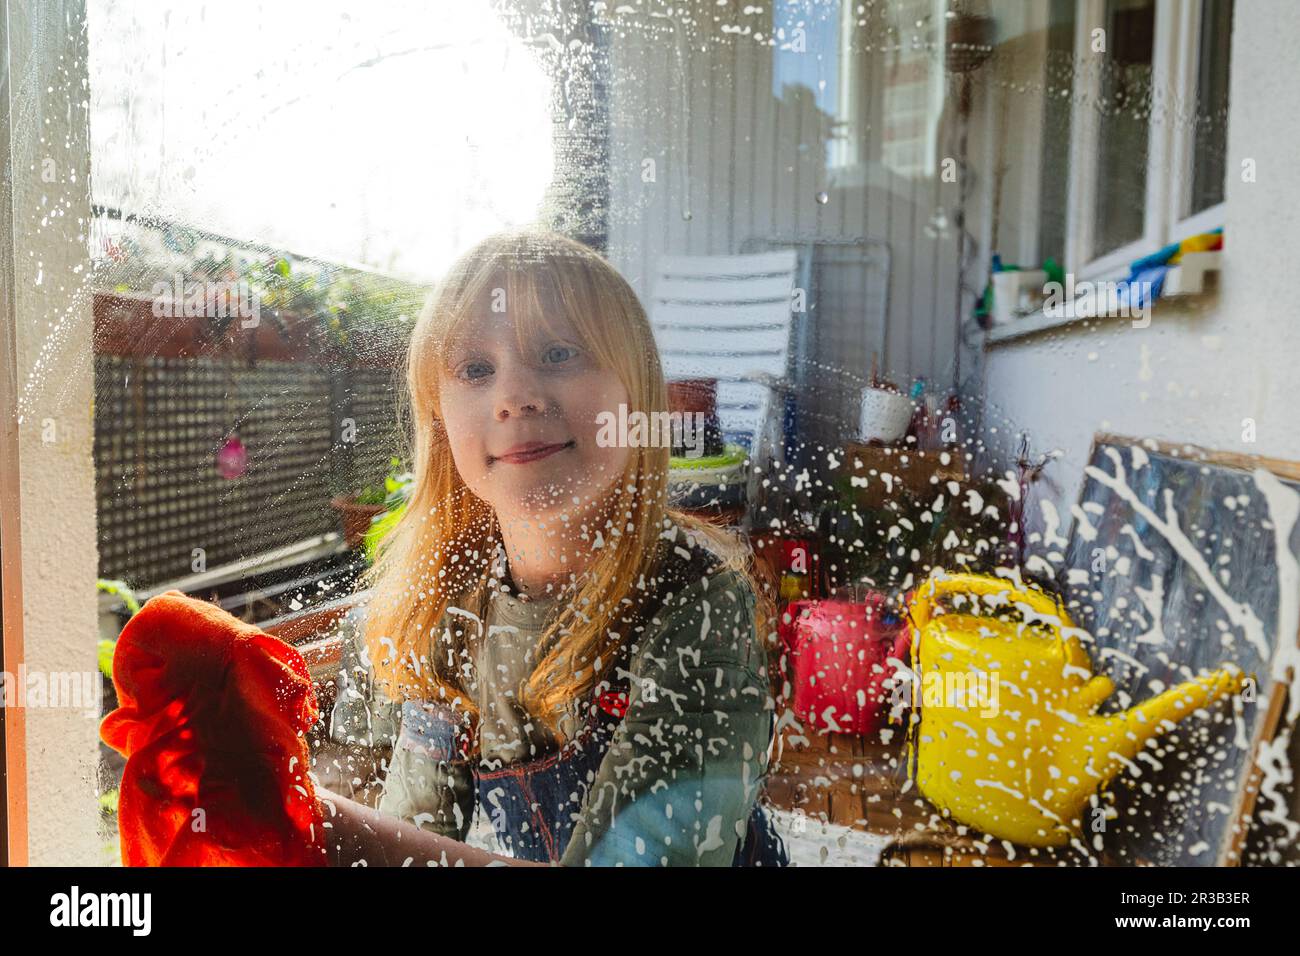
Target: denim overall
[531, 807]
[531, 803]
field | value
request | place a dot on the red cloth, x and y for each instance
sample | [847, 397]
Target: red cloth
[212, 717]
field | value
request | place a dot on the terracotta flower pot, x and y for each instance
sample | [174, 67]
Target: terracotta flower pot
[693, 395]
[698, 395]
[356, 518]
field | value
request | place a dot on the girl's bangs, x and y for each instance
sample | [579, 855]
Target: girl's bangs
[531, 297]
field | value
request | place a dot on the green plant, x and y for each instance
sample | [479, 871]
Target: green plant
[108, 645]
[382, 494]
[108, 801]
[337, 299]
[120, 589]
[397, 488]
[106, 648]
[370, 495]
[893, 546]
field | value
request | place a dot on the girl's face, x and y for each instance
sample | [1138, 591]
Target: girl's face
[522, 425]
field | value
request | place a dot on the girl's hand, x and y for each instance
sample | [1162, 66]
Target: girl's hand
[356, 834]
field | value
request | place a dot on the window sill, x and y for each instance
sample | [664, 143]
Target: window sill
[1188, 278]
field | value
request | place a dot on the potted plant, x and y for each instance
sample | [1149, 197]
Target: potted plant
[357, 510]
[885, 411]
[398, 486]
[891, 546]
[364, 506]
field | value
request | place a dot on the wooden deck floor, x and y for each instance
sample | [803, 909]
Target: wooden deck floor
[843, 800]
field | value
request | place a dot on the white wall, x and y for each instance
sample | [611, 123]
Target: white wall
[54, 560]
[1204, 365]
[745, 163]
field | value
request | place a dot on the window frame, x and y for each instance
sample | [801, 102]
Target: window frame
[1183, 152]
[13, 791]
[1170, 144]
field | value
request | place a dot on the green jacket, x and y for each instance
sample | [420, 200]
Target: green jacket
[683, 770]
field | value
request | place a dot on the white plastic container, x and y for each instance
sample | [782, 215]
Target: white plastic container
[1017, 293]
[885, 415]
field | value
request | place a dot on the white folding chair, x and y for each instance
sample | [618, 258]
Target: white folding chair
[728, 318]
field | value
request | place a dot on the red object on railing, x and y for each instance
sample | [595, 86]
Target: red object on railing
[839, 650]
[212, 719]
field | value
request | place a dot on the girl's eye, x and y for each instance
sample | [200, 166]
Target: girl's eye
[468, 370]
[560, 353]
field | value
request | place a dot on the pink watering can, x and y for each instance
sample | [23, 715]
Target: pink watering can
[839, 651]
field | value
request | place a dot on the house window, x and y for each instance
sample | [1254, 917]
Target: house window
[1058, 85]
[807, 50]
[1210, 137]
[1135, 130]
[808, 36]
[1123, 124]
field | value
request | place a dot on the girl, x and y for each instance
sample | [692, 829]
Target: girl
[547, 641]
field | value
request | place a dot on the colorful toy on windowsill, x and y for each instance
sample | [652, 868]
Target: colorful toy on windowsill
[1147, 276]
[1008, 739]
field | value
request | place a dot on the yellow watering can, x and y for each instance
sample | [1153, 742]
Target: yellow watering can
[1008, 741]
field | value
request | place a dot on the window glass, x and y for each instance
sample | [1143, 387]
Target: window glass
[1058, 105]
[390, 302]
[1123, 138]
[1212, 104]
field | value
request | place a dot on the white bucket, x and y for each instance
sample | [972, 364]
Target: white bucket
[885, 415]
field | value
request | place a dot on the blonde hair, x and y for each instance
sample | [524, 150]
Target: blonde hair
[443, 547]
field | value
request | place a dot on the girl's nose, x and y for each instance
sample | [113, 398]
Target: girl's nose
[517, 408]
[518, 396]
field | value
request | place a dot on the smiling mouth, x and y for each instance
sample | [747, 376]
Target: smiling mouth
[535, 454]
